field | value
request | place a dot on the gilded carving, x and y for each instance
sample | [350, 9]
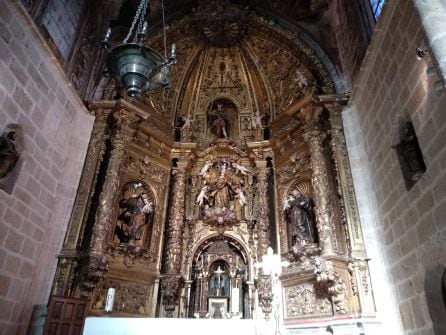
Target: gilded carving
[241, 135]
[323, 209]
[346, 182]
[336, 287]
[135, 219]
[148, 171]
[262, 209]
[125, 128]
[170, 290]
[306, 300]
[265, 294]
[130, 298]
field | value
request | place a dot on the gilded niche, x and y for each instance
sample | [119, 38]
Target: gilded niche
[222, 197]
[135, 218]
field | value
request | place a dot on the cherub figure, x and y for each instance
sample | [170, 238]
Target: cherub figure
[286, 203]
[187, 122]
[258, 120]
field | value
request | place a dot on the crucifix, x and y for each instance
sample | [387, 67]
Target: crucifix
[272, 266]
[218, 273]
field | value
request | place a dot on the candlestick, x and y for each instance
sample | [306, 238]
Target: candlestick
[235, 300]
[110, 299]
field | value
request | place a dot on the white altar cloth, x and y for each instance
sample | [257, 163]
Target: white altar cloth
[152, 326]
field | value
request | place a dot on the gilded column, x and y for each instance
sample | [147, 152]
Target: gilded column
[125, 124]
[263, 231]
[263, 283]
[315, 137]
[172, 280]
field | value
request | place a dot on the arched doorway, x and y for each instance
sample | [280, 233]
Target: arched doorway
[219, 277]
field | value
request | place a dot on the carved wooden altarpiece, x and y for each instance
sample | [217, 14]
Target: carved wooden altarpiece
[184, 191]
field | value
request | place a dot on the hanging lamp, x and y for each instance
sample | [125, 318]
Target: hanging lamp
[136, 67]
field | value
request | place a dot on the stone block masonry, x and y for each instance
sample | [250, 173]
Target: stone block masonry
[35, 93]
[403, 228]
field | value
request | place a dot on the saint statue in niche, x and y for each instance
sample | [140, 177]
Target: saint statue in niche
[410, 155]
[218, 120]
[10, 147]
[299, 213]
[136, 216]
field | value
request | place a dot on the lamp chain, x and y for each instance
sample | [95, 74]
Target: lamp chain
[164, 30]
[142, 8]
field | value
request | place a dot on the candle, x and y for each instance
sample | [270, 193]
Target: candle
[235, 300]
[109, 300]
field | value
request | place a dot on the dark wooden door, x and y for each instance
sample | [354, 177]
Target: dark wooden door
[65, 316]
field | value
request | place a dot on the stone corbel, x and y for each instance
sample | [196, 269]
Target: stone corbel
[171, 286]
[95, 271]
[265, 294]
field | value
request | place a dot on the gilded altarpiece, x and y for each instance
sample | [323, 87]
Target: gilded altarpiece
[184, 191]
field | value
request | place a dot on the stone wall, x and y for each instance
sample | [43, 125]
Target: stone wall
[350, 36]
[404, 230]
[35, 93]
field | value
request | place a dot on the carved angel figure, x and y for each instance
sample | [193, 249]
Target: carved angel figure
[258, 120]
[241, 196]
[202, 195]
[242, 169]
[286, 204]
[205, 168]
[187, 122]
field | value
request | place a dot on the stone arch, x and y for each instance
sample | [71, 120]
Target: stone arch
[227, 255]
[435, 290]
[205, 242]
